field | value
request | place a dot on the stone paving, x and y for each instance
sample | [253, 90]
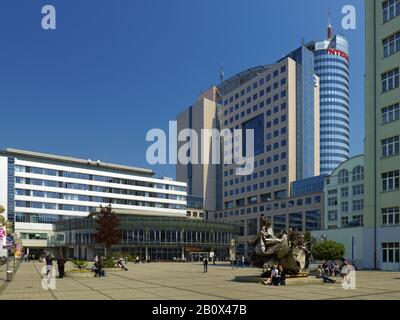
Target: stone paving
[186, 281]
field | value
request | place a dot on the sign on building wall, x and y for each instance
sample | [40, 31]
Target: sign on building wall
[3, 236]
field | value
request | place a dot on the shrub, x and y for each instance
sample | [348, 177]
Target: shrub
[109, 263]
[328, 250]
[79, 264]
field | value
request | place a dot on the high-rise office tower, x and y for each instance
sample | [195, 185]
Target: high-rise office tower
[280, 102]
[202, 179]
[382, 134]
[331, 64]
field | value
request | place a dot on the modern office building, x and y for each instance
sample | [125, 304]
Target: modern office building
[202, 179]
[41, 191]
[382, 130]
[148, 237]
[331, 64]
[344, 195]
[280, 102]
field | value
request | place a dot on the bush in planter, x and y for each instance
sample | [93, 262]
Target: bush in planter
[79, 264]
[109, 263]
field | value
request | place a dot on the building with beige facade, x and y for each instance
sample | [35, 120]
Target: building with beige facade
[280, 102]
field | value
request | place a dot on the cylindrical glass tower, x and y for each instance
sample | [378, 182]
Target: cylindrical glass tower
[331, 60]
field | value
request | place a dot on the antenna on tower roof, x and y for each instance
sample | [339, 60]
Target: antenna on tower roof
[330, 29]
[222, 73]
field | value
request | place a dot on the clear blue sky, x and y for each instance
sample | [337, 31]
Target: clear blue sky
[115, 69]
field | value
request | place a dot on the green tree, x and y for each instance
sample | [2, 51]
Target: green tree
[107, 232]
[328, 250]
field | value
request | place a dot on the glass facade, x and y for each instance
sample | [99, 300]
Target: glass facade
[159, 238]
[305, 111]
[332, 66]
[310, 185]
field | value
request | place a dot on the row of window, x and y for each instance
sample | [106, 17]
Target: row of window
[257, 186]
[294, 221]
[256, 175]
[358, 190]
[357, 175]
[81, 176]
[261, 105]
[83, 187]
[67, 196]
[39, 218]
[255, 85]
[271, 206]
[333, 216]
[358, 205]
[67, 207]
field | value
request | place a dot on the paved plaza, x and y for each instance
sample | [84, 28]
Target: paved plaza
[186, 281]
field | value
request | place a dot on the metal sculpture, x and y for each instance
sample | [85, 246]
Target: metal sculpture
[286, 249]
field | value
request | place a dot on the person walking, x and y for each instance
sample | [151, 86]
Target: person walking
[121, 265]
[61, 267]
[205, 264]
[242, 261]
[232, 263]
[49, 264]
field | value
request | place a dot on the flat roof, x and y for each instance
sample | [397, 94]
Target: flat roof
[71, 160]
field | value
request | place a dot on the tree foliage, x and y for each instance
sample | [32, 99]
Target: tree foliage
[328, 250]
[107, 231]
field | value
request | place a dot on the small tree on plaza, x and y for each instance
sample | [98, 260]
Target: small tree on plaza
[328, 250]
[107, 232]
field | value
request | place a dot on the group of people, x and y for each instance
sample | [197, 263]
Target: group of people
[278, 276]
[49, 259]
[240, 262]
[327, 271]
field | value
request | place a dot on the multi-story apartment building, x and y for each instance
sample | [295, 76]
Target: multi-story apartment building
[42, 191]
[344, 195]
[382, 130]
[331, 64]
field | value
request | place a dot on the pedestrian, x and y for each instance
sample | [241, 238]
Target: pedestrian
[61, 267]
[282, 275]
[205, 263]
[232, 262]
[121, 265]
[237, 262]
[49, 264]
[243, 261]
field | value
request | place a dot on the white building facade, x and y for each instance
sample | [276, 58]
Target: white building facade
[39, 189]
[344, 195]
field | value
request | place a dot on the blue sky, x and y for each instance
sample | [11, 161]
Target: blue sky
[112, 70]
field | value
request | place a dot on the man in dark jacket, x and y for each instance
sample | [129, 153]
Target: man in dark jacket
[49, 264]
[205, 263]
[61, 267]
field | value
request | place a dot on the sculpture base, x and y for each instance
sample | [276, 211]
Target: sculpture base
[290, 281]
